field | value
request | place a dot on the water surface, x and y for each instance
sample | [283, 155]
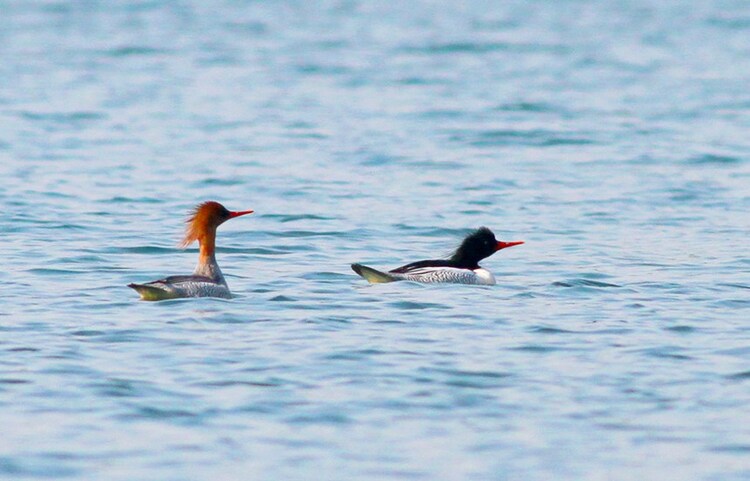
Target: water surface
[611, 137]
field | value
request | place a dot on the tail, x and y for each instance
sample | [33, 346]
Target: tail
[371, 275]
[151, 293]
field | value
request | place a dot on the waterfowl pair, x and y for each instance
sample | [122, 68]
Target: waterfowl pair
[208, 281]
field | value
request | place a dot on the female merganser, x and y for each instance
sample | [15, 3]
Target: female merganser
[461, 268]
[207, 279]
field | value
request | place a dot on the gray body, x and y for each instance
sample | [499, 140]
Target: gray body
[206, 281]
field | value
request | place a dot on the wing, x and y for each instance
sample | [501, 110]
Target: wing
[408, 268]
[182, 279]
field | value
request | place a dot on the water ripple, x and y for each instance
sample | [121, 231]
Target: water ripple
[378, 132]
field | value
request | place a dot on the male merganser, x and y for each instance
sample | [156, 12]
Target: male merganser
[207, 279]
[461, 268]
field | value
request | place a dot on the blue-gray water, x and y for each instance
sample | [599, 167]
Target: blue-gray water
[613, 137]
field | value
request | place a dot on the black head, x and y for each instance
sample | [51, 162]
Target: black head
[476, 246]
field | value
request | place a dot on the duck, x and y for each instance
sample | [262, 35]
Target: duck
[462, 267]
[207, 279]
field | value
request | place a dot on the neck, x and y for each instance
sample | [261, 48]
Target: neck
[207, 247]
[464, 263]
[207, 265]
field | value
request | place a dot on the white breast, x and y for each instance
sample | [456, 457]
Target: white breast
[484, 277]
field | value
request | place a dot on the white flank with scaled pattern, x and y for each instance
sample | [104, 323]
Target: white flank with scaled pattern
[448, 274]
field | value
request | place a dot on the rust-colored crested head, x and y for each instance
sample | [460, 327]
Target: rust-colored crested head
[203, 221]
